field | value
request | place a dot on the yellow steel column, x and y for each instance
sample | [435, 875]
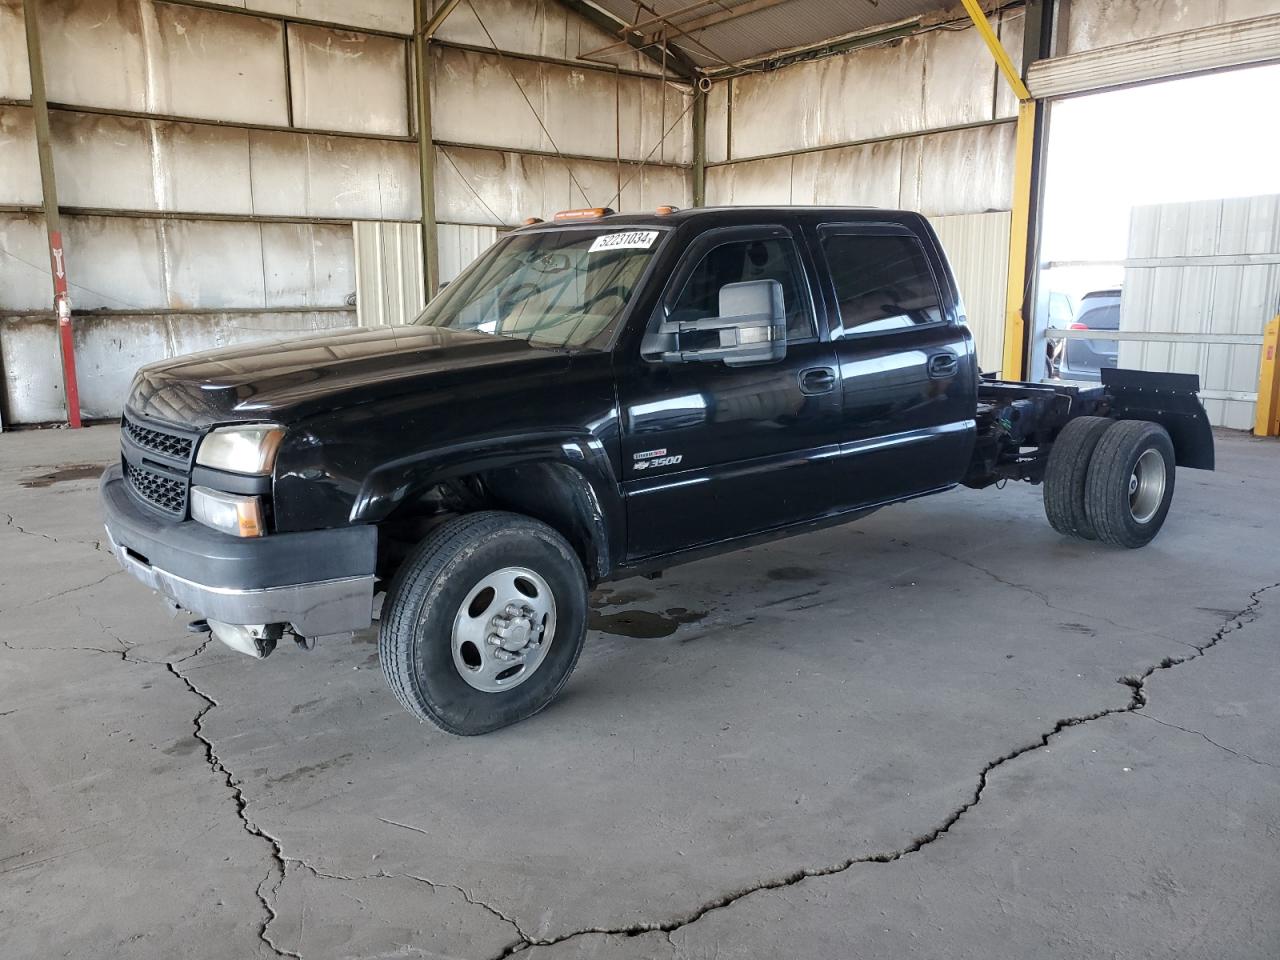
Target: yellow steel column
[1267, 421]
[1013, 364]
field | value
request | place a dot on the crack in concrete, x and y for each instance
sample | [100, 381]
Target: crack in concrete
[466, 895]
[195, 653]
[1208, 739]
[211, 758]
[1137, 700]
[63, 593]
[11, 521]
[241, 803]
[280, 862]
[122, 654]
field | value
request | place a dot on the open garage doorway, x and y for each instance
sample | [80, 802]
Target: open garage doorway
[1160, 239]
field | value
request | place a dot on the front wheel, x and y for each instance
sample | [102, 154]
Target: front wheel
[1130, 483]
[484, 622]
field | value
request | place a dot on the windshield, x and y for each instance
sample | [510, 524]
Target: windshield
[560, 288]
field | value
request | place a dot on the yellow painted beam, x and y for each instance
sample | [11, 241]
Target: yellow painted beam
[1267, 421]
[1012, 365]
[997, 49]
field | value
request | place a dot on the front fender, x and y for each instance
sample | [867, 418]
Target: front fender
[565, 480]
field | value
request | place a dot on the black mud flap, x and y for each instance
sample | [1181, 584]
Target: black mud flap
[1169, 399]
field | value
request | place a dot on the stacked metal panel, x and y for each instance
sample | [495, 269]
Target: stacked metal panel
[1201, 281]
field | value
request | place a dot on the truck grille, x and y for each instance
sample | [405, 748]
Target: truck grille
[163, 493]
[165, 444]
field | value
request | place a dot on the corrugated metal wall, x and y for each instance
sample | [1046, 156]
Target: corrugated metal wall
[389, 282]
[1203, 278]
[390, 286]
[920, 123]
[210, 163]
[460, 244]
[977, 246]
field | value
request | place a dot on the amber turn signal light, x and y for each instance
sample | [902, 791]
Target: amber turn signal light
[586, 213]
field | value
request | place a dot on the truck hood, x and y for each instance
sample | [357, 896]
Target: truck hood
[289, 379]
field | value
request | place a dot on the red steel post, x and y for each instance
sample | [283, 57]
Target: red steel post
[62, 308]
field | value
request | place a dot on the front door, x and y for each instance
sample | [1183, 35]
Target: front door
[712, 451]
[907, 365]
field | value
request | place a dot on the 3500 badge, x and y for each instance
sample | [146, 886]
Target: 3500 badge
[650, 459]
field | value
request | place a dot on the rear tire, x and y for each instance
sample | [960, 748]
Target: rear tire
[1066, 474]
[484, 622]
[1130, 483]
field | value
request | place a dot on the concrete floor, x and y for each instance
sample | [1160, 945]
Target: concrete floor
[943, 732]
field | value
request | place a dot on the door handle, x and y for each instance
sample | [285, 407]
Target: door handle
[817, 380]
[943, 365]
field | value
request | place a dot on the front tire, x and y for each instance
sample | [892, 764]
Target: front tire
[484, 622]
[1130, 483]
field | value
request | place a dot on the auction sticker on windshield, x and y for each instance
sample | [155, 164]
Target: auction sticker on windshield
[631, 240]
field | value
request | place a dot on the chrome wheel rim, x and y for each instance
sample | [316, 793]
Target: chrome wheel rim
[1146, 486]
[503, 629]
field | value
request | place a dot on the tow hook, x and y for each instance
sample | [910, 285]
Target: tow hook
[256, 640]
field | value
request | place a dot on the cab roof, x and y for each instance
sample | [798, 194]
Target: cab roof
[725, 215]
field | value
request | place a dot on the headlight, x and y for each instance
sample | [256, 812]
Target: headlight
[237, 515]
[250, 449]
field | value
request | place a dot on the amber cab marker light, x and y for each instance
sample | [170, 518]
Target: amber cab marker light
[530, 221]
[587, 213]
[667, 210]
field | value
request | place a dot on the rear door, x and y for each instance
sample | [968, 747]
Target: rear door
[907, 365]
[712, 451]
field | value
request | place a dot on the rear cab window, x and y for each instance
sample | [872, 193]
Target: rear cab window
[882, 278]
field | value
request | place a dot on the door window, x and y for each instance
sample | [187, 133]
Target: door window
[883, 282]
[741, 260]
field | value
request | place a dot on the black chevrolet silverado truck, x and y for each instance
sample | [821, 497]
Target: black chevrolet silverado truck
[595, 398]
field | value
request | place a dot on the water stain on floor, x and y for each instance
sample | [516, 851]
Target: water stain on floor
[1079, 628]
[311, 770]
[792, 574]
[64, 472]
[613, 597]
[643, 624]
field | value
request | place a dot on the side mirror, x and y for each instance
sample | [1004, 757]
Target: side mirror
[751, 328]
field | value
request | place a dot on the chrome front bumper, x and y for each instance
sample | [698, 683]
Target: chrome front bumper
[234, 581]
[312, 609]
